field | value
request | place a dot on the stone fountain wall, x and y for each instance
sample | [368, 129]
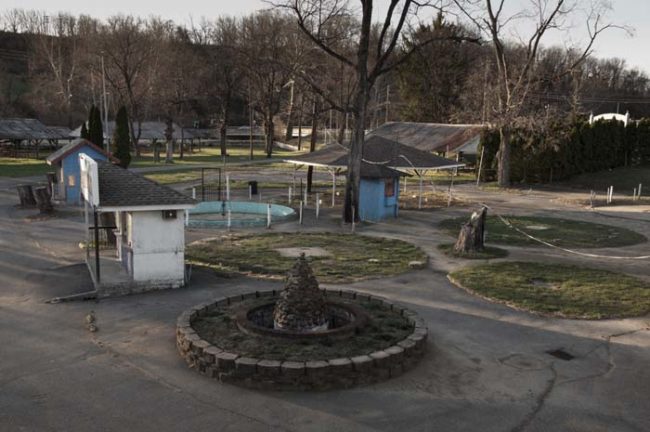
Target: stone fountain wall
[318, 374]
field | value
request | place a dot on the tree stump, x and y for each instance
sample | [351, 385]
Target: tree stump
[43, 199]
[472, 234]
[26, 195]
[51, 181]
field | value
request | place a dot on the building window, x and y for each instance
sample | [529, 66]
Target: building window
[169, 214]
[389, 187]
[71, 180]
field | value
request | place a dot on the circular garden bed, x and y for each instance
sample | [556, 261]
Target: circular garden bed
[335, 258]
[385, 341]
[559, 232]
[558, 290]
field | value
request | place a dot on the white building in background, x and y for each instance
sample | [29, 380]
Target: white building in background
[625, 118]
[146, 250]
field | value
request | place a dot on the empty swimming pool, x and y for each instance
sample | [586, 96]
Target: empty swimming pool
[214, 214]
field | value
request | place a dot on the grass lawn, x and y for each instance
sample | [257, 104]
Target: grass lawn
[489, 252]
[624, 180]
[559, 232]
[350, 257]
[386, 328]
[23, 167]
[560, 290]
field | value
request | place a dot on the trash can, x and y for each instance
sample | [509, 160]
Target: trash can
[253, 187]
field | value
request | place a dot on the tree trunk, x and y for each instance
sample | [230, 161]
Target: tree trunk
[472, 234]
[351, 204]
[503, 172]
[26, 195]
[169, 156]
[156, 151]
[43, 200]
[269, 136]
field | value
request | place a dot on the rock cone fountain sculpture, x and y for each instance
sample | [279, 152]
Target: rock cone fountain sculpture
[301, 306]
[301, 338]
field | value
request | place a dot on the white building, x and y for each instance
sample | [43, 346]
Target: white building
[147, 223]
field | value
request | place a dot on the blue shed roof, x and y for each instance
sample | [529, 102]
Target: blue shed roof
[71, 147]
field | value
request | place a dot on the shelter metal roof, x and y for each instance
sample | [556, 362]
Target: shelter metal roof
[150, 130]
[429, 136]
[377, 150]
[119, 187]
[28, 129]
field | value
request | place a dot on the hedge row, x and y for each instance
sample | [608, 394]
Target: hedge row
[564, 150]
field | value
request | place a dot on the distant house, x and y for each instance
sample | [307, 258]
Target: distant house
[449, 140]
[66, 162]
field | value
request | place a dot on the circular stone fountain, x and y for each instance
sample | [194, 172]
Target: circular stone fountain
[297, 319]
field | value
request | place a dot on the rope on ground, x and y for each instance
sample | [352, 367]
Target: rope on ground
[571, 251]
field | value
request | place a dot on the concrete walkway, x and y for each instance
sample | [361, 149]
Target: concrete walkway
[487, 368]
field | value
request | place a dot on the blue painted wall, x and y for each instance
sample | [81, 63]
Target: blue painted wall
[70, 165]
[373, 205]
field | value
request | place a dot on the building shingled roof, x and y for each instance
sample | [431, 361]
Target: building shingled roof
[379, 171]
[377, 150]
[119, 187]
[72, 146]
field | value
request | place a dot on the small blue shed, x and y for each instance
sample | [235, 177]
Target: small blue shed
[66, 162]
[378, 192]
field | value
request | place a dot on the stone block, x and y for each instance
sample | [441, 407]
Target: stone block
[340, 365]
[246, 366]
[317, 368]
[381, 359]
[396, 353]
[209, 354]
[362, 363]
[226, 361]
[292, 369]
[396, 369]
[268, 368]
[408, 346]
[199, 346]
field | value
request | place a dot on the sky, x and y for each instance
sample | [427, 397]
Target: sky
[614, 43]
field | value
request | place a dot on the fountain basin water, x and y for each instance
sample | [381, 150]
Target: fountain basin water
[214, 214]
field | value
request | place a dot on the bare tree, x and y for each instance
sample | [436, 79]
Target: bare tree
[56, 48]
[129, 51]
[265, 38]
[516, 71]
[374, 55]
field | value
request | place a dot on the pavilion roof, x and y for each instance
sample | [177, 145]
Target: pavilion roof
[28, 129]
[377, 150]
[430, 137]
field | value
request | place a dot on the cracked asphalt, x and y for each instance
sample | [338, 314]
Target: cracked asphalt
[486, 369]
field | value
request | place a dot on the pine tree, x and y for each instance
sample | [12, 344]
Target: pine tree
[95, 130]
[84, 131]
[121, 139]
